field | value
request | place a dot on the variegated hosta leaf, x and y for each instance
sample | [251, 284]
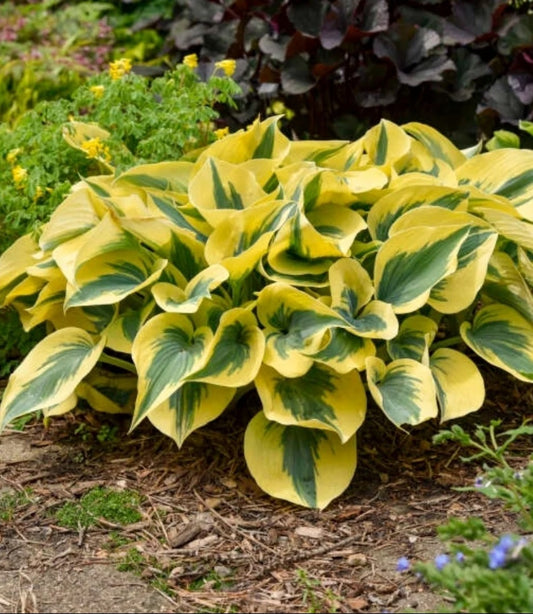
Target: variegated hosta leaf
[437, 144]
[513, 179]
[27, 288]
[525, 264]
[94, 320]
[50, 372]
[243, 237]
[505, 284]
[414, 338]
[386, 144]
[109, 279]
[262, 139]
[351, 289]
[235, 354]
[165, 350]
[294, 323]
[314, 151]
[61, 408]
[173, 299]
[339, 224]
[395, 204]
[161, 176]
[189, 408]
[185, 218]
[78, 213]
[343, 351]
[111, 394]
[219, 187]
[306, 466]
[460, 387]
[404, 389]
[14, 262]
[322, 398]
[412, 261]
[518, 231]
[502, 337]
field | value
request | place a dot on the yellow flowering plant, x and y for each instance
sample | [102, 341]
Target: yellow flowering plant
[109, 123]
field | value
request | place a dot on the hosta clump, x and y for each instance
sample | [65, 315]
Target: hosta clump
[315, 271]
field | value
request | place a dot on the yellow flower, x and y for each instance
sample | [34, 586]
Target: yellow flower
[119, 68]
[94, 148]
[38, 193]
[228, 66]
[97, 90]
[19, 176]
[191, 61]
[279, 108]
[221, 132]
[12, 155]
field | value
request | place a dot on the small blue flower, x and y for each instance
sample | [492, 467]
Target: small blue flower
[460, 557]
[403, 564]
[506, 543]
[518, 475]
[478, 482]
[497, 557]
[441, 561]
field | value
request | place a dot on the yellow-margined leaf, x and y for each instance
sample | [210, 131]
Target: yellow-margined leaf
[165, 350]
[189, 408]
[78, 213]
[111, 394]
[27, 288]
[50, 372]
[412, 261]
[61, 408]
[321, 398]
[504, 284]
[395, 204]
[123, 329]
[414, 338]
[14, 262]
[404, 389]
[513, 179]
[235, 354]
[219, 187]
[438, 145]
[173, 299]
[306, 466]
[294, 323]
[525, 264]
[343, 351]
[460, 387]
[243, 237]
[386, 144]
[260, 140]
[161, 176]
[339, 224]
[519, 231]
[502, 337]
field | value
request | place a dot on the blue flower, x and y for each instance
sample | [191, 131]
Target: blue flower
[478, 482]
[506, 543]
[403, 564]
[497, 557]
[460, 557]
[441, 561]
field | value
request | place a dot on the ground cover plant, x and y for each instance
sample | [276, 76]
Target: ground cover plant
[479, 571]
[318, 272]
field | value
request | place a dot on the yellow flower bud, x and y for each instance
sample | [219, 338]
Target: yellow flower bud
[19, 176]
[119, 68]
[97, 90]
[228, 66]
[191, 61]
[221, 132]
[12, 155]
[94, 148]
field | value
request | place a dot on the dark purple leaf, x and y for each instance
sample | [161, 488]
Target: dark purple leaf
[500, 98]
[253, 31]
[375, 16]
[219, 38]
[431, 69]
[306, 15]
[469, 67]
[474, 16]
[333, 30]
[296, 78]
[522, 86]
[517, 31]
[276, 49]
[208, 12]
[186, 36]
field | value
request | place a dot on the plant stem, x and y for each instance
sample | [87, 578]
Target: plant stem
[118, 362]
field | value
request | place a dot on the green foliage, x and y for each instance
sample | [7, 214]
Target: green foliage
[315, 598]
[323, 274]
[482, 572]
[12, 501]
[120, 507]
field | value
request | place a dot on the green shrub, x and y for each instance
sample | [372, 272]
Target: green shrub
[297, 267]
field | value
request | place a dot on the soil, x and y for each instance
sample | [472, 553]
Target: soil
[210, 541]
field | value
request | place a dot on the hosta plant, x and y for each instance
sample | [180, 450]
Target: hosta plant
[322, 273]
